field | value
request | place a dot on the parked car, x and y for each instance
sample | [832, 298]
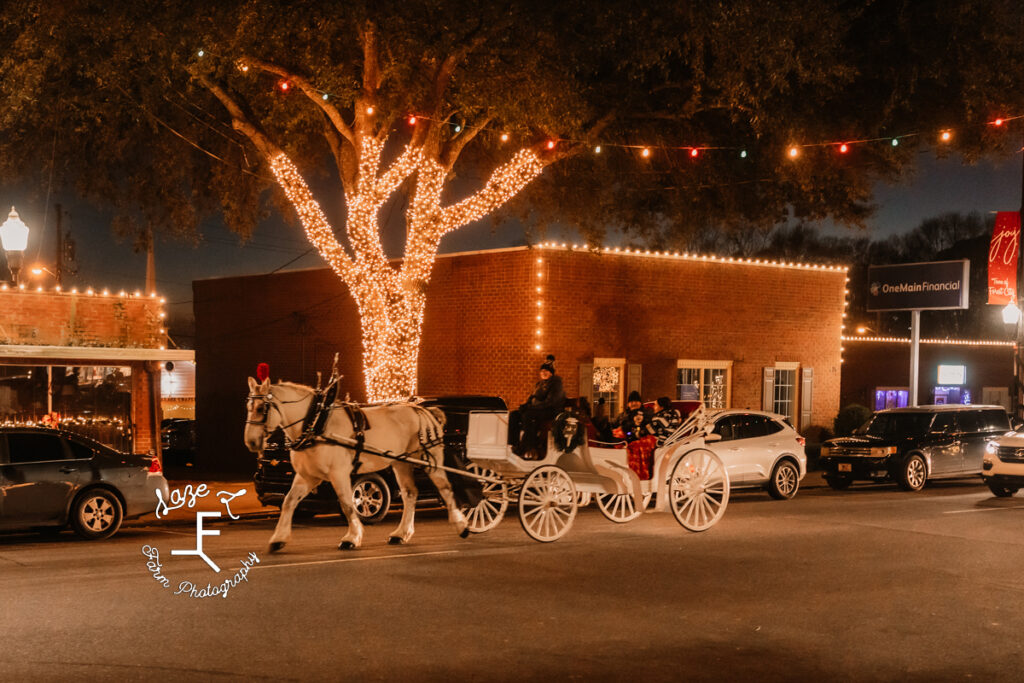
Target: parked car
[758, 449]
[178, 441]
[50, 479]
[912, 445]
[373, 492]
[1002, 467]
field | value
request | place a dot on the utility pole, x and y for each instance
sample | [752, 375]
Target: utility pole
[58, 261]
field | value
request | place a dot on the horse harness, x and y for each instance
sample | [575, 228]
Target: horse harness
[315, 422]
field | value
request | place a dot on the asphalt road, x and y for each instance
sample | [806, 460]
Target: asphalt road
[869, 584]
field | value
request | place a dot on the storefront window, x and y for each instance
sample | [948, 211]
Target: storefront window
[891, 397]
[90, 400]
[706, 381]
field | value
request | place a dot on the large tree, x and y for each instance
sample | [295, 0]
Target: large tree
[171, 112]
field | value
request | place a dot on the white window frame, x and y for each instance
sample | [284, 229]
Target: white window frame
[619, 363]
[794, 414]
[690, 364]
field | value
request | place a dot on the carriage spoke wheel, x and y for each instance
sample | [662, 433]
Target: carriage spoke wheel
[547, 503]
[698, 490]
[489, 511]
[583, 498]
[620, 508]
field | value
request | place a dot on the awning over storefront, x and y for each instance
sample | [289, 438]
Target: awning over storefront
[91, 353]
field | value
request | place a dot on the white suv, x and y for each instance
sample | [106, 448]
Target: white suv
[758, 449]
[1002, 468]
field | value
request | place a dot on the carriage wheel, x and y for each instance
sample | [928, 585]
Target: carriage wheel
[698, 490]
[620, 508]
[583, 498]
[547, 503]
[491, 510]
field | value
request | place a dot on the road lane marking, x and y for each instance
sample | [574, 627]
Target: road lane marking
[356, 559]
[960, 512]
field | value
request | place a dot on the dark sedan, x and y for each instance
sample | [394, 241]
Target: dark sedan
[51, 479]
[374, 492]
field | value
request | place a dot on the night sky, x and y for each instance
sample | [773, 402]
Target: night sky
[935, 188]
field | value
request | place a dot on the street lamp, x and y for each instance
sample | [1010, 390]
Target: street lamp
[1011, 314]
[14, 236]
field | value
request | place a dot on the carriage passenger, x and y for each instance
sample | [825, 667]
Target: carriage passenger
[666, 420]
[650, 435]
[544, 404]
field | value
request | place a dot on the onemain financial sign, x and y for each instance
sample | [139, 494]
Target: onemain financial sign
[935, 286]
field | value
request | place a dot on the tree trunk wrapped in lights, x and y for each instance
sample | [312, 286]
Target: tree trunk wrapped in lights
[391, 302]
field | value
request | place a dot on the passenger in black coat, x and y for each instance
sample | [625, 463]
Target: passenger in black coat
[546, 401]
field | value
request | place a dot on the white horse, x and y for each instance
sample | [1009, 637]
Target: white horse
[396, 428]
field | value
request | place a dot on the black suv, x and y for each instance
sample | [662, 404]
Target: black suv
[374, 491]
[912, 445]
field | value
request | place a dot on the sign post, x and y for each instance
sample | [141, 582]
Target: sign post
[916, 287]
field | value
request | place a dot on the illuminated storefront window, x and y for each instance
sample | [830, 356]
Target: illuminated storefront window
[93, 401]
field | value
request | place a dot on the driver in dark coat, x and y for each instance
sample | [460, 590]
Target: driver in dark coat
[544, 404]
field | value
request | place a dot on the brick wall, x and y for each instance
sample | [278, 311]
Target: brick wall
[479, 333]
[868, 365]
[65, 319]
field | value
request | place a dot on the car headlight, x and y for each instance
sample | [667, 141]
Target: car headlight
[992, 447]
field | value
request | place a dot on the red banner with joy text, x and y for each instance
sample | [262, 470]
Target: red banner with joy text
[1002, 258]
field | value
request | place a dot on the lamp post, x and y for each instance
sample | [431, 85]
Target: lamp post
[14, 236]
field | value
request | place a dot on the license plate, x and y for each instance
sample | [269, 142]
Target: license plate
[845, 467]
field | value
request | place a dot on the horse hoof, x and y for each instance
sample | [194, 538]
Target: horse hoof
[464, 533]
[347, 545]
[395, 540]
[275, 546]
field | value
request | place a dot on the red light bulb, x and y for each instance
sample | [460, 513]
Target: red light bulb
[694, 152]
[551, 144]
[284, 85]
[998, 122]
[844, 148]
[412, 120]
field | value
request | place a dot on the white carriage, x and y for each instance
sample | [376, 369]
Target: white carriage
[687, 479]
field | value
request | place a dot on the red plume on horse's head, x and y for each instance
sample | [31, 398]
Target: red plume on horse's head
[262, 372]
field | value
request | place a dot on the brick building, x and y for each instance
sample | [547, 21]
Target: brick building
[876, 372]
[735, 332]
[89, 361]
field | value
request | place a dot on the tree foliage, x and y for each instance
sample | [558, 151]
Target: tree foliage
[112, 90]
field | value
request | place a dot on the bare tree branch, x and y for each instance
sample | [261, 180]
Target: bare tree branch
[308, 90]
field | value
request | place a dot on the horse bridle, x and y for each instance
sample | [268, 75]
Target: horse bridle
[268, 403]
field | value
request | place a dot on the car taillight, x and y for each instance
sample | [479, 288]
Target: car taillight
[801, 440]
[154, 467]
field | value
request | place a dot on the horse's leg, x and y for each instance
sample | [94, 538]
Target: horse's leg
[403, 475]
[444, 487]
[283, 532]
[341, 480]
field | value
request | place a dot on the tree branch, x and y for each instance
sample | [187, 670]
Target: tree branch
[239, 120]
[307, 88]
[454, 148]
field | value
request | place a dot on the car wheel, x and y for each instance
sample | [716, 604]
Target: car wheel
[372, 498]
[785, 480]
[96, 514]
[838, 482]
[914, 474]
[1001, 491]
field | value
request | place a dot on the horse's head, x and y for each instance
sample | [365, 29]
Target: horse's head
[260, 420]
